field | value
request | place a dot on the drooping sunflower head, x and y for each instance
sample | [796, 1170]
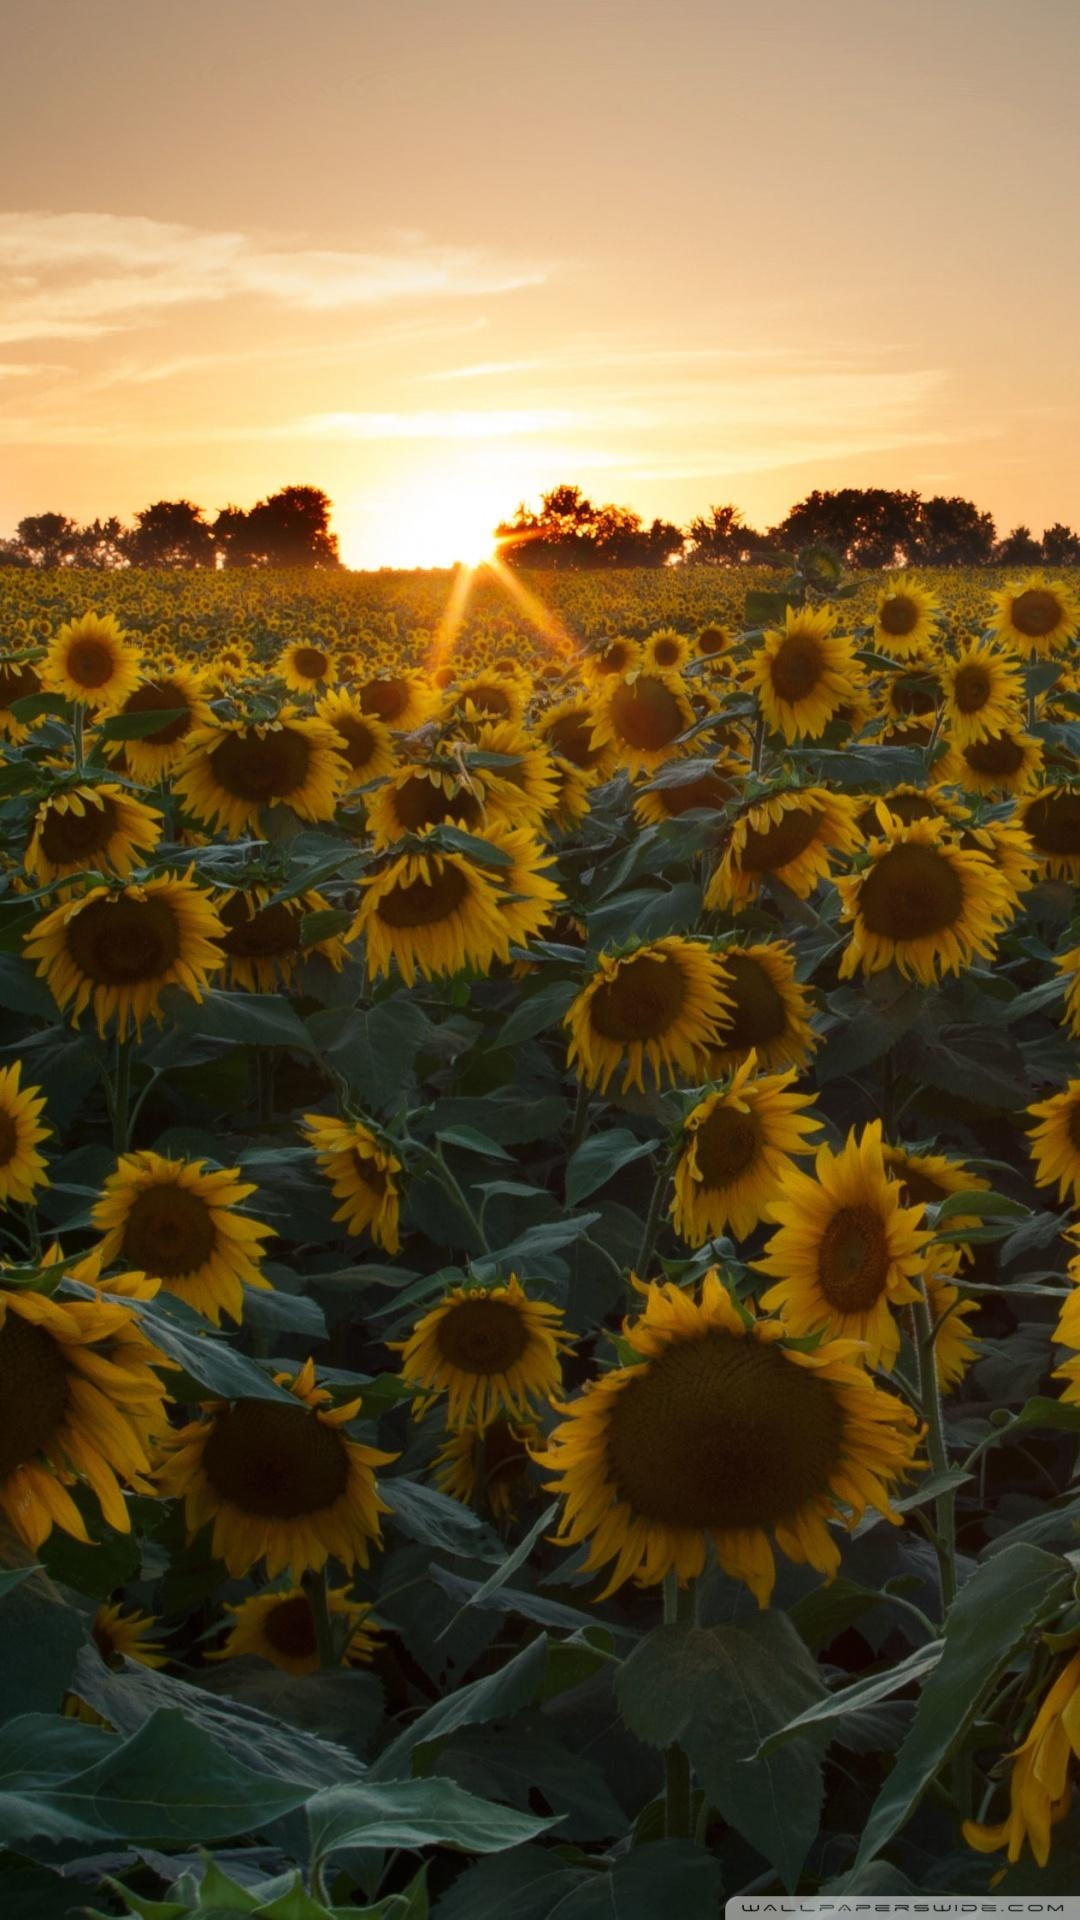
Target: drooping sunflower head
[402, 701]
[417, 797]
[792, 836]
[118, 1632]
[306, 667]
[179, 696]
[491, 1351]
[708, 792]
[1040, 1780]
[899, 806]
[364, 1174]
[91, 662]
[1037, 615]
[1051, 819]
[489, 696]
[488, 1466]
[90, 829]
[279, 1627]
[769, 1012]
[924, 904]
[804, 673]
[736, 1149]
[117, 950]
[178, 1222]
[1055, 1142]
[432, 914]
[264, 938]
[723, 1432]
[19, 680]
[235, 768]
[22, 1169]
[659, 1006]
[567, 730]
[641, 717]
[905, 617]
[364, 740]
[1002, 763]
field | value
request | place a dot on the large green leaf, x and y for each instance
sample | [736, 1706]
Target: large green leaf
[847, 1701]
[496, 1696]
[38, 1647]
[670, 1877]
[414, 1813]
[600, 1158]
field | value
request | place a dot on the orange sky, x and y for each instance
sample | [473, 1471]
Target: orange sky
[436, 255]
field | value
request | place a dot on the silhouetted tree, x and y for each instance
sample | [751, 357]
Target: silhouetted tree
[291, 528]
[1018, 549]
[48, 539]
[570, 532]
[868, 526]
[1061, 546]
[953, 532]
[171, 533]
[102, 544]
[720, 539]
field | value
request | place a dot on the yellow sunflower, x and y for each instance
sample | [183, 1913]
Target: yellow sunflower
[769, 1010]
[490, 1350]
[1069, 965]
[641, 718]
[79, 1400]
[363, 1175]
[402, 701]
[846, 1250]
[529, 899]
[487, 1466]
[22, 1169]
[414, 798]
[1051, 819]
[280, 1483]
[905, 616]
[923, 904]
[1040, 1788]
[90, 662]
[489, 696]
[117, 1633]
[703, 792]
[235, 768]
[1055, 1143]
[928, 1178]
[567, 731]
[1004, 763]
[665, 651]
[306, 668]
[365, 741]
[280, 1627]
[659, 1006]
[611, 659]
[117, 950]
[1008, 848]
[899, 806]
[736, 1149]
[804, 673]
[433, 914]
[263, 938]
[983, 690]
[793, 837]
[19, 680]
[954, 1346]
[723, 1432]
[177, 1222]
[525, 789]
[713, 640]
[178, 692]
[1037, 615]
[88, 829]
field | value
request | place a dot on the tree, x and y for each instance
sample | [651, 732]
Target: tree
[1061, 546]
[171, 533]
[102, 545]
[868, 526]
[1018, 549]
[290, 528]
[953, 533]
[720, 539]
[570, 532]
[48, 539]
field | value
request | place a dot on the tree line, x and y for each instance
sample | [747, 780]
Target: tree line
[290, 528]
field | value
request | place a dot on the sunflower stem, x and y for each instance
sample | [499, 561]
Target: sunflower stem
[678, 1798]
[315, 1586]
[121, 1101]
[453, 1187]
[653, 1221]
[937, 1450]
[77, 722]
[581, 1118]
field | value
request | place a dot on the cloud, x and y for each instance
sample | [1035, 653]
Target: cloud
[80, 275]
[463, 424]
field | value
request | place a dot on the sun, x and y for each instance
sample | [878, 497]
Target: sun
[441, 517]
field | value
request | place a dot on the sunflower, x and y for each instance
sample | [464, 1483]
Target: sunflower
[665, 651]
[22, 1169]
[928, 1178]
[432, 913]
[263, 938]
[489, 696]
[490, 1350]
[118, 1635]
[363, 1174]
[641, 718]
[176, 1222]
[983, 691]
[954, 1347]
[707, 792]
[235, 768]
[79, 1400]
[365, 741]
[280, 1627]
[19, 680]
[722, 1431]
[87, 829]
[306, 668]
[923, 904]
[281, 1483]
[769, 1009]
[178, 692]
[659, 1006]
[1040, 1789]
[417, 797]
[567, 731]
[611, 659]
[905, 616]
[1008, 848]
[1003, 763]
[1037, 615]
[402, 700]
[1069, 964]
[846, 1250]
[803, 673]
[525, 789]
[713, 640]
[736, 1149]
[90, 662]
[529, 899]
[1055, 1143]
[792, 837]
[487, 1466]
[1051, 818]
[118, 949]
[899, 806]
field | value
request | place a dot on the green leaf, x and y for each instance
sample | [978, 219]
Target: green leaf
[374, 1048]
[496, 1696]
[990, 1619]
[763, 608]
[473, 1141]
[36, 706]
[12, 1577]
[668, 1877]
[714, 1691]
[436, 1520]
[534, 1244]
[513, 1561]
[536, 1012]
[978, 1204]
[1044, 1412]
[600, 1158]
[853, 1699]
[414, 1813]
[207, 1357]
[40, 1641]
[21, 991]
[137, 726]
[242, 1019]
[323, 925]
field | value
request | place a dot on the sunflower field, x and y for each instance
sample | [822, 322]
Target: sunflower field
[539, 1327]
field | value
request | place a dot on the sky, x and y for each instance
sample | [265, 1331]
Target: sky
[436, 256]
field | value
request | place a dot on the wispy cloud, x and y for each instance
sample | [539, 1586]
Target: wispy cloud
[462, 424]
[81, 275]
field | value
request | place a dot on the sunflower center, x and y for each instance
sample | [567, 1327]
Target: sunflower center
[918, 1186]
[728, 1143]
[999, 755]
[971, 689]
[642, 1001]
[71, 836]
[17, 683]
[369, 1171]
[311, 662]
[647, 715]
[796, 667]
[666, 653]
[420, 802]
[504, 1456]
[482, 1336]
[1035, 612]
[359, 740]
[118, 942]
[908, 698]
[767, 849]
[906, 806]
[425, 903]
[720, 1432]
[386, 698]
[1073, 1126]
[169, 1232]
[853, 1260]
[571, 735]
[261, 935]
[709, 790]
[274, 1460]
[290, 1628]
[899, 615]
[758, 1012]
[491, 701]
[161, 696]
[711, 640]
[1054, 822]
[9, 1139]
[33, 1391]
[90, 664]
[912, 892]
[260, 768]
